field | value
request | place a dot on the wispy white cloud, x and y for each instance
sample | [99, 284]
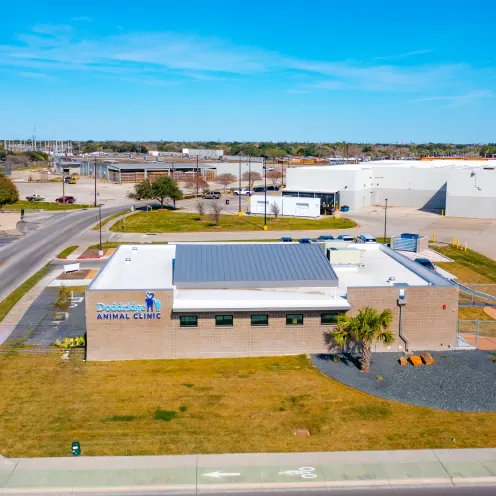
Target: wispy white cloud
[82, 19]
[37, 75]
[457, 100]
[298, 92]
[403, 55]
[174, 57]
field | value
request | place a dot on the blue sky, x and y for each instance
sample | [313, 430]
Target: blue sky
[359, 71]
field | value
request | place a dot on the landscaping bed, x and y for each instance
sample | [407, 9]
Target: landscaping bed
[159, 221]
[457, 381]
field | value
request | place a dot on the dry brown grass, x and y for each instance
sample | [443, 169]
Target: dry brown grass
[221, 405]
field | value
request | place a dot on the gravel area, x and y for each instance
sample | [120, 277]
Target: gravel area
[459, 380]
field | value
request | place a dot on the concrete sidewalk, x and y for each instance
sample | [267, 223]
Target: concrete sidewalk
[203, 473]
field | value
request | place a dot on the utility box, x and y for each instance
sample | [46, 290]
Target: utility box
[345, 256]
[76, 449]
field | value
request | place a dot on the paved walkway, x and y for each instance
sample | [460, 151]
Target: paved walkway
[192, 473]
[11, 320]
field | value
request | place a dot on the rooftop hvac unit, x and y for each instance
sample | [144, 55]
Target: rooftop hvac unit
[345, 256]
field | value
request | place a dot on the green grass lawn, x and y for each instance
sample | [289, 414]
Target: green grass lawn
[27, 205]
[67, 251]
[169, 221]
[107, 220]
[8, 303]
[469, 266]
[248, 405]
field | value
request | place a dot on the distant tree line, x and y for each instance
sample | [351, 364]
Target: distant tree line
[281, 149]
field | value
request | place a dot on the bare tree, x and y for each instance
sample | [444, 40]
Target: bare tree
[215, 211]
[200, 208]
[275, 210]
[197, 183]
[225, 179]
[251, 177]
[274, 176]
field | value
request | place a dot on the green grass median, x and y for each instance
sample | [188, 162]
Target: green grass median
[161, 221]
[27, 205]
[8, 303]
[67, 251]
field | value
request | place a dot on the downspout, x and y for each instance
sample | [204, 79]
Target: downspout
[402, 336]
[401, 304]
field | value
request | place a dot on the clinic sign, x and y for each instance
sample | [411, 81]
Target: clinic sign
[130, 311]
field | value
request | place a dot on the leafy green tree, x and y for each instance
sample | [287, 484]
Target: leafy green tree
[8, 191]
[363, 329]
[161, 189]
[90, 147]
[168, 147]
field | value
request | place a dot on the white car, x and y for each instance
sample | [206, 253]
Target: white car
[243, 191]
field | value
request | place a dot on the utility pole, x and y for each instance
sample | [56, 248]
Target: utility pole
[240, 213]
[385, 220]
[265, 194]
[63, 188]
[94, 173]
[197, 178]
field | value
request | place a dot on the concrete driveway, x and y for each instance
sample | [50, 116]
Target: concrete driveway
[479, 234]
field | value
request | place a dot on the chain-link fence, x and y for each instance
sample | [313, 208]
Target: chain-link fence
[480, 334]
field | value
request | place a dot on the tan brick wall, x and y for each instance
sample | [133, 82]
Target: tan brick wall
[128, 339]
[426, 325]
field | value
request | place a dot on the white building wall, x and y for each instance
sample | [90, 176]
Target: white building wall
[472, 193]
[288, 205]
[233, 168]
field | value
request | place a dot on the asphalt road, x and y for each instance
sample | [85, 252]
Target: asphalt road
[21, 258]
[371, 491]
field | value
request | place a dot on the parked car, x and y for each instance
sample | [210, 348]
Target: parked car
[273, 188]
[211, 195]
[305, 241]
[259, 189]
[345, 237]
[425, 262]
[286, 239]
[243, 191]
[325, 237]
[345, 208]
[70, 180]
[366, 238]
[35, 198]
[68, 199]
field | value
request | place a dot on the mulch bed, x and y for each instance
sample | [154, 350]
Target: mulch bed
[80, 274]
[458, 380]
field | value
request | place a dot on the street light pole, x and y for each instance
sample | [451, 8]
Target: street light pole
[100, 251]
[94, 173]
[240, 213]
[197, 178]
[265, 194]
[385, 220]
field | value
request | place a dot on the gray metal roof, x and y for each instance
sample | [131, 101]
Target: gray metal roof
[257, 265]
[159, 166]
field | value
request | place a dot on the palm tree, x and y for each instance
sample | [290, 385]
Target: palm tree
[364, 328]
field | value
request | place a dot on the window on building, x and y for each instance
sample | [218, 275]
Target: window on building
[294, 319]
[188, 321]
[260, 320]
[224, 320]
[330, 318]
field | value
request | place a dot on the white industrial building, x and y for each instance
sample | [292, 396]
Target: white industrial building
[462, 188]
[203, 153]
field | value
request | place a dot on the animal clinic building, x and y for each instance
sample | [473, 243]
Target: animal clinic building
[256, 299]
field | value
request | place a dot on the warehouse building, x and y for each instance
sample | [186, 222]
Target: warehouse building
[255, 299]
[461, 188]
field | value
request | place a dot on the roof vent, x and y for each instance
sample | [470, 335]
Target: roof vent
[127, 260]
[391, 280]
[135, 248]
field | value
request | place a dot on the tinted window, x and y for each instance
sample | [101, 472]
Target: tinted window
[188, 321]
[260, 320]
[294, 319]
[330, 318]
[224, 320]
